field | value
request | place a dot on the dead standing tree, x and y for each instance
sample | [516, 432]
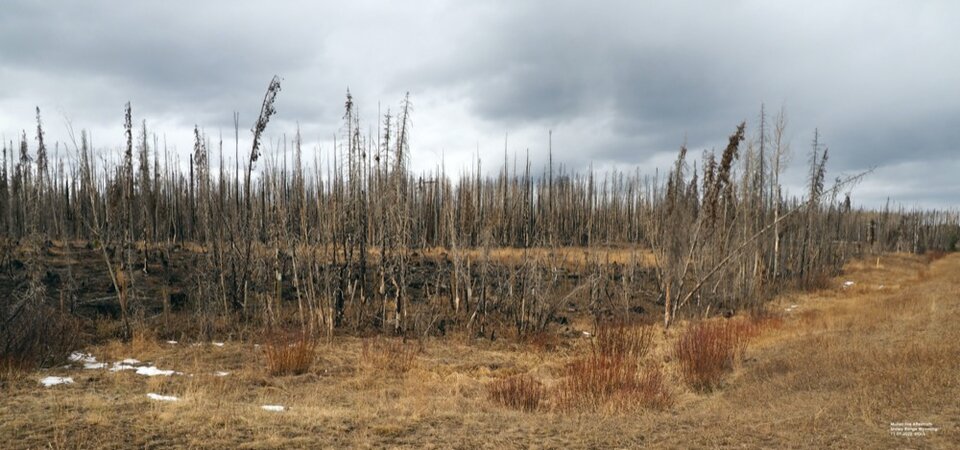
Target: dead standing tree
[240, 267]
[402, 214]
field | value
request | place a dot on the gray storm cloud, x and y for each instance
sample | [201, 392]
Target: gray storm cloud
[620, 83]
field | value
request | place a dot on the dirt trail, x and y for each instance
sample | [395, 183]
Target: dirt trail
[850, 366]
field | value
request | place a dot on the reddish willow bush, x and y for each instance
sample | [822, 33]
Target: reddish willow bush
[290, 354]
[707, 350]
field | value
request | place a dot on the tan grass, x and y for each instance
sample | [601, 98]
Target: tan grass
[522, 392]
[389, 356]
[623, 341]
[832, 374]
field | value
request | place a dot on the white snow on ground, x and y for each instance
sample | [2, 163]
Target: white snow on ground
[221, 373]
[172, 342]
[89, 361]
[162, 398]
[274, 408]
[120, 366]
[153, 371]
[82, 357]
[53, 381]
[218, 344]
[848, 283]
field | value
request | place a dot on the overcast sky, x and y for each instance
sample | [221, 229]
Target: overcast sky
[621, 84]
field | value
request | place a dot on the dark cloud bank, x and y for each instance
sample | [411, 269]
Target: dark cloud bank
[620, 83]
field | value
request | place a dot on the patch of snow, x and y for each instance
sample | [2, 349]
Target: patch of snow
[274, 408]
[118, 367]
[129, 361]
[586, 334]
[172, 342]
[82, 357]
[89, 361]
[53, 381]
[848, 283]
[162, 398]
[218, 344]
[221, 373]
[153, 371]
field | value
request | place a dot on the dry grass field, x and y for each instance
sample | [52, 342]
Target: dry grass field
[832, 368]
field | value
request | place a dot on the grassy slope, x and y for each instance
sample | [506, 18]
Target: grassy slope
[846, 363]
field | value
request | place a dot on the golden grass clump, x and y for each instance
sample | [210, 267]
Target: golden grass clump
[622, 341]
[289, 354]
[393, 356]
[522, 392]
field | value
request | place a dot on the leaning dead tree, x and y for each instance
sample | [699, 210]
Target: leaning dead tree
[712, 248]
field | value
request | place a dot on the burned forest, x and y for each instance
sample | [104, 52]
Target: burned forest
[350, 241]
